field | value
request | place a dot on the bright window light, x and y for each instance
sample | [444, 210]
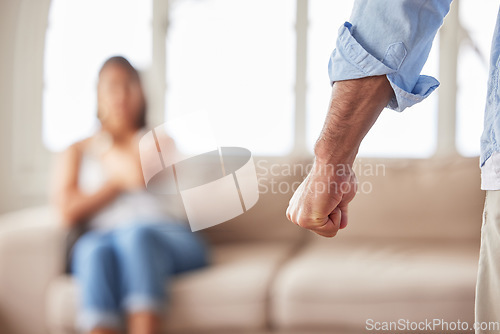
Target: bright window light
[472, 71]
[411, 133]
[234, 60]
[81, 35]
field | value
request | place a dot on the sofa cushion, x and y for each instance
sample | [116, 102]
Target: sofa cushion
[266, 221]
[341, 283]
[231, 294]
[31, 255]
[428, 198]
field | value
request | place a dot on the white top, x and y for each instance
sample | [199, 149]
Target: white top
[490, 173]
[138, 206]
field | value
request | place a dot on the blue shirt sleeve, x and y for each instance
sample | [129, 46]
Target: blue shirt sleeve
[392, 38]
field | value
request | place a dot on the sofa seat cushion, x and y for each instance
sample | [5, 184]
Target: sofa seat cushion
[230, 294]
[335, 283]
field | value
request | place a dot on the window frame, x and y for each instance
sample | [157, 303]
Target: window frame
[448, 54]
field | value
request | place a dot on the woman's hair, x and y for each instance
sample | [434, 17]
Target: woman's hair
[125, 64]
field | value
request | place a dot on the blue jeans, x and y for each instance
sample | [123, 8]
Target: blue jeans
[127, 269]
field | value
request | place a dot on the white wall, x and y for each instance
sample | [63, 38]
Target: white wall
[24, 162]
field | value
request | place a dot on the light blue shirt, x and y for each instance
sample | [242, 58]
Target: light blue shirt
[394, 38]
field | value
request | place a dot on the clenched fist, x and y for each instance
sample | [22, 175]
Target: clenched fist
[320, 202]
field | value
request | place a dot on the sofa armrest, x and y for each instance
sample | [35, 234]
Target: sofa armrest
[31, 255]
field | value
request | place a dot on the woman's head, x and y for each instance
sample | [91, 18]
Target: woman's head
[121, 104]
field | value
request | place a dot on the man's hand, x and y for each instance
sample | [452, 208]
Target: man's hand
[320, 202]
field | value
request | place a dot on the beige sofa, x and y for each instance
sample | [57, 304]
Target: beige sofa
[410, 252]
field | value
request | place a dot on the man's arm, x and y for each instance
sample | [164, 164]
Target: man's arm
[320, 203]
[377, 63]
[354, 107]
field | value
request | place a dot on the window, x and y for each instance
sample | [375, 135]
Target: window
[411, 133]
[235, 60]
[472, 71]
[81, 35]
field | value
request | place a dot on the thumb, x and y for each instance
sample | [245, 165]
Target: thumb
[331, 226]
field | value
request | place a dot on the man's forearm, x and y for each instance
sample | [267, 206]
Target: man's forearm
[354, 107]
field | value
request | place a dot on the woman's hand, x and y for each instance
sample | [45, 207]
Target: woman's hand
[123, 167]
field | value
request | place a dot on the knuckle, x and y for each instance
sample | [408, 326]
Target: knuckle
[304, 222]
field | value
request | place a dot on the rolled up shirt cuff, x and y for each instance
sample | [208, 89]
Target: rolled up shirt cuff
[351, 61]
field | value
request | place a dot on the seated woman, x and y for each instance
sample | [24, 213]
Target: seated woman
[132, 246]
